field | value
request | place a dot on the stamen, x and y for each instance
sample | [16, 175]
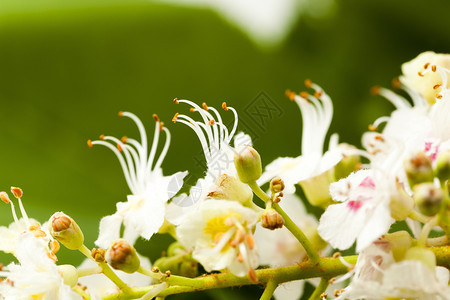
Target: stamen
[165, 149]
[102, 137]
[89, 143]
[318, 94]
[250, 241]
[155, 116]
[5, 198]
[439, 96]
[54, 246]
[426, 65]
[175, 117]
[240, 257]
[120, 114]
[192, 109]
[396, 83]
[176, 101]
[420, 74]
[211, 122]
[436, 86]
[290, 94]
[304, 95]
[372, 127]
[224, 106]
[161, 125]
[433, 68]
[17, 192]
[375, 90]
[119, 147]
[205, 107]
[308, 83]
[124, 139]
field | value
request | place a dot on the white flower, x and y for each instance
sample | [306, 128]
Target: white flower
[221, 180]
[364, 214]
[100, 286]
[36, 276]
[378, 276]
[220, 234]
[313, 164]
[143, 213]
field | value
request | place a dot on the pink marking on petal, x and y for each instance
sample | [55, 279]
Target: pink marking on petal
[428, 146]
[354, 205]
[368, 183]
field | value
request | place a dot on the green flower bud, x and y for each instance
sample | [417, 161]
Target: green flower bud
[428, 198]
[272, 220]
[230, 188]
[418, 169]
[348, 164]
[276, 185]
[248, 163]
[122, 256]
[442, 170]
[424, 255]
[69, 274]
[66, 231]
[400, 242]
[188, 269]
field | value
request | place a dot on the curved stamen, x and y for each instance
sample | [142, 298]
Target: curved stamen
[201, 126]
[164, 151]
[396, 100]
[143, 136]
[380, 121]
[219, 120]
[235, 124]
[149, 162]
[200, 136]
[203, 113]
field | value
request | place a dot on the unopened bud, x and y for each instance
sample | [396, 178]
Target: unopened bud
[188, 268]
[248, 163]
[98, 254]
[443, 166]
[17, 192]
[69, 274]
[400, 242]
[424, 255]
[418, 169]
[64, 229]
[276, 185]
[428, 198]
[272, 220]
[122, 256]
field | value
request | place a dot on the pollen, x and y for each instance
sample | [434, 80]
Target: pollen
[5, 198]
[120, 114]
[176, 101]
[161, 126]
[192, 109]
[89, 142]
[54, 246]
[205, 107]
[124, 139]
[102, 137]
[290, 94]
[308, 83]
[438, 96]
[175, 117]
[304, 95]
[155, 116]
[17, 192]
[224, 106]
[240, 257]
[252, 276]
[211, 122]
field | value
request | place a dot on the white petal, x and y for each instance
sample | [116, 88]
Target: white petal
[109, 230]
[292, 290]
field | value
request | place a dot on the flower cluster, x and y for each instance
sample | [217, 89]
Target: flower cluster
[401, 175]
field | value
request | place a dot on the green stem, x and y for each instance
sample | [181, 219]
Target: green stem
[78, 289]
[301, 237]
[320, 289]
[438, 241]
[258, 191]
[268, 291]
[443, 219]
[171, 279]
[426, 229]
[106, 270]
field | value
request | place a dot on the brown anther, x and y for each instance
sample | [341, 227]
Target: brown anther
[332, 280]
[308, 83]
[240, 257]
[17, 192]
[60, 223]
[426, 65]
[120, 114]
[98, 254]
[336, 293]
[124, 139]
[318, 94]
[290, 94]
[420, 74]
[168, 273]
[280, 194]
[1, 267]
[54, 246]
[119, 147]
[250, 241]
[433, 68]
[436, 86]
[372, 127]
[211, 122]
[89, 143]
[161, 126]
[176, 101]
[375, 90]
[252, 276]
[192, 109]
[304, 95]
[323, 296]
[155, 270]
[396, 83]
[5, 198]
[379, 138]
[205, 107]
[337, 254]
[102, 137]
[155, 116]
[439, 96]
[175, 118]
[224, 106]
[277, 199]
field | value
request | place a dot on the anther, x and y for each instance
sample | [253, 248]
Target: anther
[433, 68]
[224, 106]
[250, 241]
[323, 296]
[89, 143]
[290, 94]
[176, 101]
[372, 127]
[240, 257]
[318, 94]
[396, 83]
[420, 74]
[304, 95]
[124, 139]
[192, 109]
[155, 116]
[120, 114]
[436, 86]
[205, 107]
[168, 273]
[211, 122]
[5, 198]
[332, 280]
[175, 118]
[17, 192]
[439, 96]
[161, 126]
[252, 276]
[379, 138]
[54, 246]
[156, 269]
[375, 90]
[426, 65]
[102, 137]
[308, 83]
[98, 254]
[119, 147]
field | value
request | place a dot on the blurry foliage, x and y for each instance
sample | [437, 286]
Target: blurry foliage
[67, 68]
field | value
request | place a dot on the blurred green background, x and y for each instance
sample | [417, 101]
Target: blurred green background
[68, 67]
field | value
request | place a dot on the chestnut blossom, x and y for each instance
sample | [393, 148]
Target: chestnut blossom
[143, 213]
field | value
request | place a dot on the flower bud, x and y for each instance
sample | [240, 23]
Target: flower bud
[230, 188]
[248, 163]
[69, 274]
[348, 163]
[418, 169]
[98, 254]
[64, 229]
[399, 242]
[424, 255]
[276, 185]
[188, 268]
[428, 198]
[272, 220]
[122, 256]
[442, 170]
